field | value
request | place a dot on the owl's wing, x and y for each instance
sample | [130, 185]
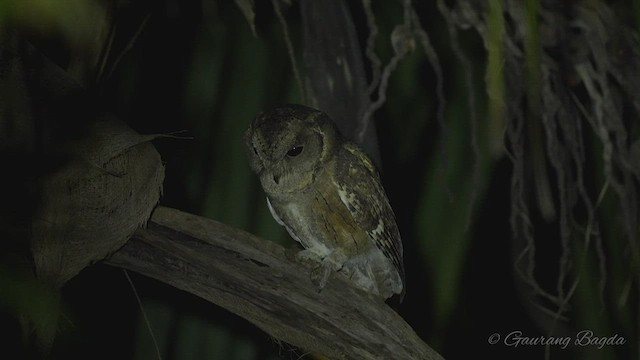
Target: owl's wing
[364, 196]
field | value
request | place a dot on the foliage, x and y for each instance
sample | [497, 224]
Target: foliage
[509, 149]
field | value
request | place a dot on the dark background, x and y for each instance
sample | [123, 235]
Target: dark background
[196, 68]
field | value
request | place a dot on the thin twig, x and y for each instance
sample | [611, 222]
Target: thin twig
[144, 314]
[129, 46]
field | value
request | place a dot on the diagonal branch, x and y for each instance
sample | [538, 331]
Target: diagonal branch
[257, 280]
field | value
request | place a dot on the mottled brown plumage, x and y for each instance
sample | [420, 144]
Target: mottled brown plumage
[328, 195]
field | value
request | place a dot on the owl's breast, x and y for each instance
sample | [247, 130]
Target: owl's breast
[320, 221]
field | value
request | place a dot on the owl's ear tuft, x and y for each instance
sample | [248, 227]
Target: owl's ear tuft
[255, 163]
[247, 135]
[252, 152]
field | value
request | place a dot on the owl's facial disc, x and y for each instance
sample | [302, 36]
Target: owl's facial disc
[275, 139]
[287, 146]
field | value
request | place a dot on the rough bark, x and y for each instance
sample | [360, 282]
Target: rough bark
[261, 282]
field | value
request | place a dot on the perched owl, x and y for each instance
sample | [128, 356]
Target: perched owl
[328, 195]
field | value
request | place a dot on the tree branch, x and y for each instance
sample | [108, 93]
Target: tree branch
[259, 281]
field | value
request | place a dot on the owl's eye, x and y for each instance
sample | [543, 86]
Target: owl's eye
[295, 151]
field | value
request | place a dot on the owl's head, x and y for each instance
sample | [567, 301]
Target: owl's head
[287, 145]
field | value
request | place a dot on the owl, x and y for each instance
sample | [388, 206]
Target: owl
[328, 195]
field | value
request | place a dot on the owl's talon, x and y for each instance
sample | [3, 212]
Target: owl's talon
[335, 260]
[320, 275]
[308, 255]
